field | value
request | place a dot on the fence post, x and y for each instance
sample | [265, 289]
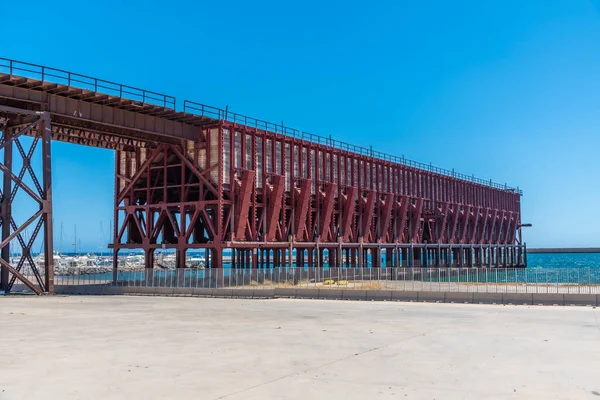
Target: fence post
[487, 282]
[346, 279]
[590, 280]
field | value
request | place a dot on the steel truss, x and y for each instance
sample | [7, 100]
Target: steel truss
[259, 193]
[163, 200]
[281, 188]
[14, 123]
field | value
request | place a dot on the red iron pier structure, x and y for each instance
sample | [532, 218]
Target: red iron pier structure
[208, 179]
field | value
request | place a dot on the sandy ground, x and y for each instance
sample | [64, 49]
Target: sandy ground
[201, 348]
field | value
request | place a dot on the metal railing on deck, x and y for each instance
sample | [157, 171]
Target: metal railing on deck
[480, 280]
[226, 115]
[57, 76]
[52, 75]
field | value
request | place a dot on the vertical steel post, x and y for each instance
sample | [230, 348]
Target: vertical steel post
[6, 208]
[360, 254]
[319, 256]
[47, 205]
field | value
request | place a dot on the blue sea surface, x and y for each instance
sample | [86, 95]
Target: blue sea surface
[534, 260]
[563, 260]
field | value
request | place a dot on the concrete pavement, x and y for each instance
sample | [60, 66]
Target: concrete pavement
[117, 347]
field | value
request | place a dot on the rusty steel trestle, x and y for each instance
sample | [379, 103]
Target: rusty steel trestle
[14, 123]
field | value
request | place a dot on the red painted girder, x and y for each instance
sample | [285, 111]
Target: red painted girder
[513, 227]
[441, 231]
[498, 238]
[490, 237]
[143, 169]
[498, 228]
[403, 214]
[200, 217]
[368, 209]
[513, 231]
[476, 218]
[208, 223]
[415, 234]
[243, 203]
[132, 217]
[190, 227]
[119, 237]
[455, 217]
[194, 169]
[159, 223]
[302, 208]
[466, 215]
[274, 207]
[165, 220]
[509, 221]
[483, 231]
[151, 159]
[386, 216]
[174, 224]
[327, 211]
[168, 230]
[140, 226]
[348, 213]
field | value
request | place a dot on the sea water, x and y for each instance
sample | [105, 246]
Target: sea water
[563, 260]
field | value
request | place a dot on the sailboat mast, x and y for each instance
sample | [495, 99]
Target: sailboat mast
[60, 245]
[101, 240]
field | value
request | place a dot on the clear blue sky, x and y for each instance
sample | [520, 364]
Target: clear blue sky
[507, 90]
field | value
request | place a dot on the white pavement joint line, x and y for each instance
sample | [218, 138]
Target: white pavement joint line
[321, 366]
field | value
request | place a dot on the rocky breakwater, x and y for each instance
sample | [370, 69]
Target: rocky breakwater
[64, 270]
[91, 270]
[74, 270]
[84, 270]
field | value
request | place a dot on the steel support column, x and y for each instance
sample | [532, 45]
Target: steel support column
[15, 123]
[6, 209]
